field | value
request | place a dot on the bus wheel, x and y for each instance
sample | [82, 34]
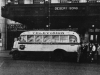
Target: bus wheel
[58, 56]
[16, 55]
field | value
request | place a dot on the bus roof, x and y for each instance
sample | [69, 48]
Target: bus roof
[49, 33]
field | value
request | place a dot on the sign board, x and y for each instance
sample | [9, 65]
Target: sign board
[66, 8]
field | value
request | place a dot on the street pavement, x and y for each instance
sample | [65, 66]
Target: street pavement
[8, 66]
[31, 67]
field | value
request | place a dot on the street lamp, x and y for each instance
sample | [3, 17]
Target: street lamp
[93, 26]
[69, 26]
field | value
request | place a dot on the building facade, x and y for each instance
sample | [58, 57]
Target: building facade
[49, 14]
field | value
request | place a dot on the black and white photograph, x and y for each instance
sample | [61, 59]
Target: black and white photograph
[49, 37]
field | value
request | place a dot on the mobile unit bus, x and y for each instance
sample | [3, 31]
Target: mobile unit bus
[56, 44]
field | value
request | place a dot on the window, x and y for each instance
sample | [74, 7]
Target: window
[38, 1]
[65, 1]
[92, 1]
[64, 38]
[47, 38]
[83, 1]
[72, 39]
[38, 38]
[23, 38]
[28, 1]
[30, 38]
[55, 38]
[98, 1]
[55, 1]
[91, 37]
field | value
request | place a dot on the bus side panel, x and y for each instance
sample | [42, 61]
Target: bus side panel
[49, 47]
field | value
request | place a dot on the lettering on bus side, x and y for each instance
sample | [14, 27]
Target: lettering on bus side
[48, 33]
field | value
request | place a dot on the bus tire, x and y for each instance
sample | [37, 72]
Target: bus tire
[58, 55]
[16, 55]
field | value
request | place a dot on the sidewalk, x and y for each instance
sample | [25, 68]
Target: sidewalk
[4, 54]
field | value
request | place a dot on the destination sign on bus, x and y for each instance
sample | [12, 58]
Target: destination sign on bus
[66, 8]
[48, 33]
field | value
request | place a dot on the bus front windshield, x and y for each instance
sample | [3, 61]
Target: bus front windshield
[72, 39]
[23, 38]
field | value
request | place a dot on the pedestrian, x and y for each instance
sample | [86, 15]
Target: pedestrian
[90, 49]
[93, 52]
[15, 45]
[84, 53]
[89, 54]
[98, 48]
[98, 51]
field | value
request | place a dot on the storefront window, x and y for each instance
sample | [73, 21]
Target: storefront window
[28, 1]
[65, 1]
[91, 37]
[92, 1]
[38, 1]
[55, 1]
[82, 1]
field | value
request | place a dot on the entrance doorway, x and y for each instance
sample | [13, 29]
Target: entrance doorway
[10, 38]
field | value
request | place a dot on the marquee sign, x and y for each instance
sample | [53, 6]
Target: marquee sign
[66, 8]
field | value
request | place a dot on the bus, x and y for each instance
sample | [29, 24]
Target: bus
[56, 44]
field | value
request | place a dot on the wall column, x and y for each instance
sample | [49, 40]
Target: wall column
[2, 27]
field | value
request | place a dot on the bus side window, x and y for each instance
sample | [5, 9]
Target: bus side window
[55, 38]
[64, 38]
[38, 38]
[30, 38]
[47, 38]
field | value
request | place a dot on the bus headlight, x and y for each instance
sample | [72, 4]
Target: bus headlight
[22, 47]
